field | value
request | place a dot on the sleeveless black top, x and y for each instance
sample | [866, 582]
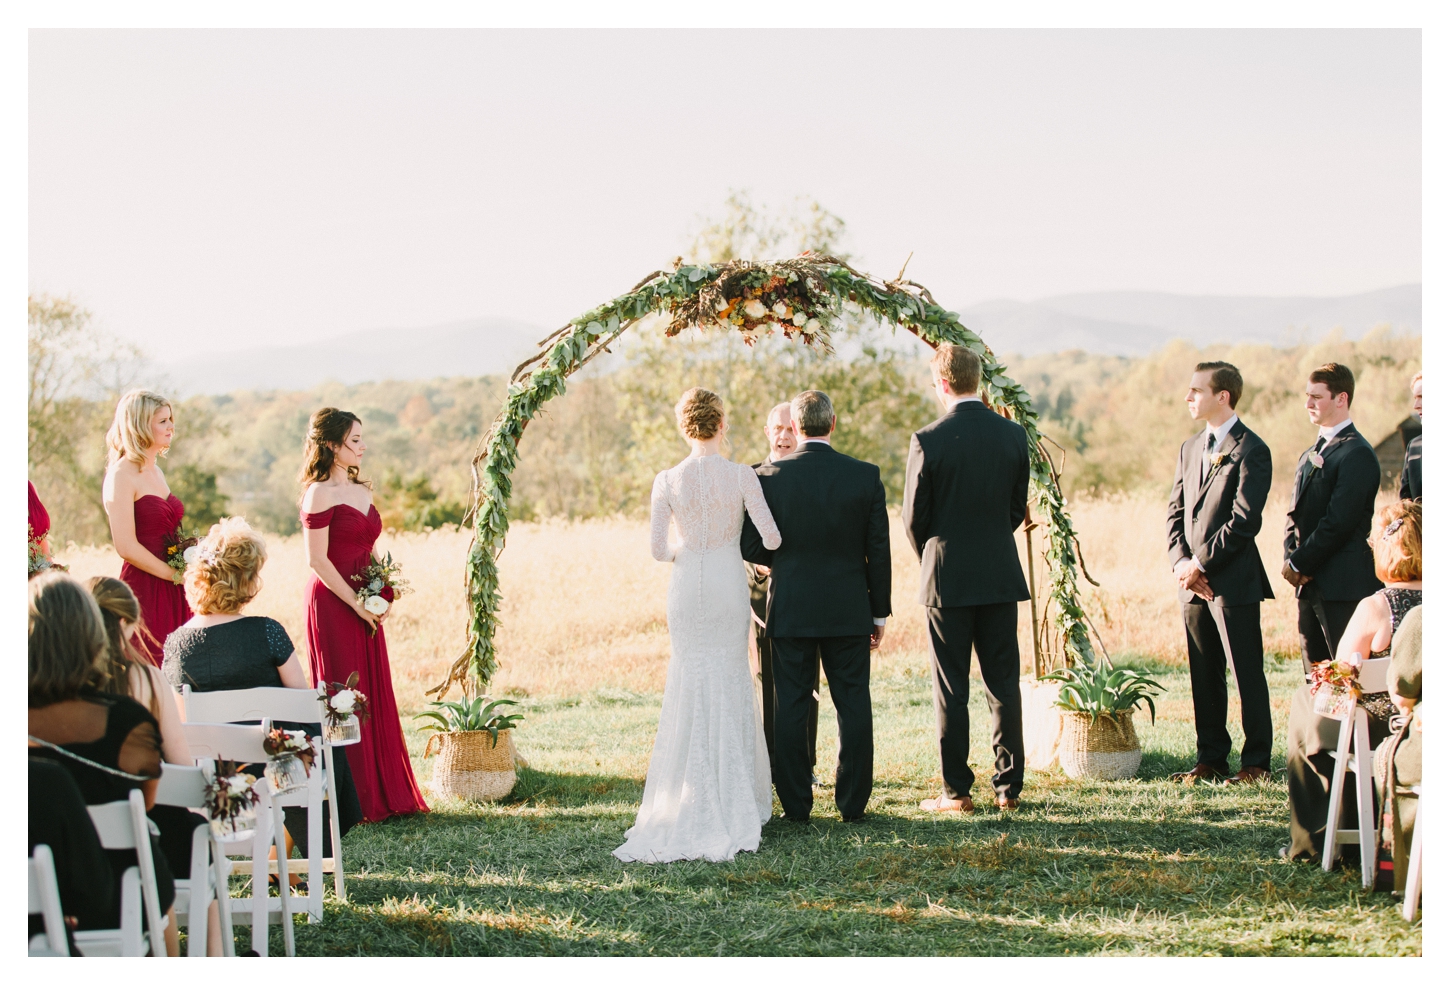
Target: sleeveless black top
[1400, 600]
[123, 715]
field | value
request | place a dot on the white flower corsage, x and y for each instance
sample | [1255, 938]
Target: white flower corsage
[1316, 460]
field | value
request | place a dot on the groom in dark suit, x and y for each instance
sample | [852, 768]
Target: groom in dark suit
[1214, 513]
[1327, 557]
[966, 494]
[830, 591]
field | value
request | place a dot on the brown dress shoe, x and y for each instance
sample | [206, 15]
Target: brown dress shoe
[1006, 803]
[944, 805]
[1250, 774]
[1202, 771]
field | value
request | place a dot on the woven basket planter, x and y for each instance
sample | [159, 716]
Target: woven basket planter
[472, 766]
[1103, 748]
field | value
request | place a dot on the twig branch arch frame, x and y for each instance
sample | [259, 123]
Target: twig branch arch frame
[714, 296]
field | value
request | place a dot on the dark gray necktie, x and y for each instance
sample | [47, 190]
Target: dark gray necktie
[1207, 458]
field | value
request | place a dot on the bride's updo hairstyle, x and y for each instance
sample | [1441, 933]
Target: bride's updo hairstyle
[326, 432]
[226, 573]
[130, 434]
[700, 414]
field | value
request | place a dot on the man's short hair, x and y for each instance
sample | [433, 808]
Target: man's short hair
[1337, 378]
[812, 412]
[778, 407]
[1223, 376]
[959, 366]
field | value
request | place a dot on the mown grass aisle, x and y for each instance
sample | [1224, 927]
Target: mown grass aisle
[1137, 867]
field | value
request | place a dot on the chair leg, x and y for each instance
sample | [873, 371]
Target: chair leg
[1336, 793]
[1412, 877]
[1364, 781]
[261, 839]
[284, 880]
[335, 825]
[223, 869]
[201, 895]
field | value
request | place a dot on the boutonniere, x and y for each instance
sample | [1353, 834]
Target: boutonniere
[1316, 460]
[1217, 460]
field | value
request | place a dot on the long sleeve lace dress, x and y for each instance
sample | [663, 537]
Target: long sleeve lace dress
[707, 793]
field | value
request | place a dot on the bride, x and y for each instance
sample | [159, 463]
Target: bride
[708, 789]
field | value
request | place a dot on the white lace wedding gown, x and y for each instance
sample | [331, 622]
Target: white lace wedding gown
[708, 788]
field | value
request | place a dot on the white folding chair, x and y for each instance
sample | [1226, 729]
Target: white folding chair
[288, 704]
[1412, 877]
[123, 824]
[1373, 676]
[45, 900]
[185, 786]
[243, 744]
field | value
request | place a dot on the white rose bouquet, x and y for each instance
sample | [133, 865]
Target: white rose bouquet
[382, 585]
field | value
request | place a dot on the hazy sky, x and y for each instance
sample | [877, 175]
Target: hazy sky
[215, 189]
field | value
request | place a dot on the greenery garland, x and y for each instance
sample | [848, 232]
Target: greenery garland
[802, 297]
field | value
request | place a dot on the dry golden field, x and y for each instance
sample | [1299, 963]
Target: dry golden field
[584, 604]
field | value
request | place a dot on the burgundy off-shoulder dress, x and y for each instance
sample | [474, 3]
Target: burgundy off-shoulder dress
[338, 643]
[163, 602]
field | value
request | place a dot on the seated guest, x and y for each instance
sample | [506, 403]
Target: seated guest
[129, 673]
[221, 649]
[1397, 762]
[109, 743]
[58, 818]
[1395, 540]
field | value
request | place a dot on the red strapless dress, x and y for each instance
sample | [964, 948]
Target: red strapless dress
[338, 643]
[39, 518]
[163, 603]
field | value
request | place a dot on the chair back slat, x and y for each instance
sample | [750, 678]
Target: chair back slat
[283, 704]
[113, 824]
[238, 743]
[1374, 675]
[181, 786]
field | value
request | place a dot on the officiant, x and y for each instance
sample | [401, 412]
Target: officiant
[781, 441]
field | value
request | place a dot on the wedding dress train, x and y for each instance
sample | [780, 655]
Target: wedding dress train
[708, 788]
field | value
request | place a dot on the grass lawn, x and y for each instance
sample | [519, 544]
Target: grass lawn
[1132, 867]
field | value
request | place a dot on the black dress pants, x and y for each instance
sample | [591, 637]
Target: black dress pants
[1222, 637]
[1321, 624]
[767, 695]
[847, 663]
[992, 630]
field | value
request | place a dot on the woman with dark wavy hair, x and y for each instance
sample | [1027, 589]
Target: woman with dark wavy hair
[341, 525]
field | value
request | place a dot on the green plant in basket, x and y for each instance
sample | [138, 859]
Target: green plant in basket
[1099, 690]
[471, 715]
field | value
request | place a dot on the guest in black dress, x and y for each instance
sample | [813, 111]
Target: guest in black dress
[1395, 540]
[83, 874]
[220, 649]
[109, 744]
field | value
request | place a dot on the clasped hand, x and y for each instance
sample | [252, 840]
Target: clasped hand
[1296, 578]
[1190, 579]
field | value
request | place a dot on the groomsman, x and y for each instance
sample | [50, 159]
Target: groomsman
[966, 493]
[1327, 557]
[1410, 476]
[1214, 513]
[781, 441]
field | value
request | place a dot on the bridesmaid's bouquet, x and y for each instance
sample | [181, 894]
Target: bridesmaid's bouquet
[180, 550]
[38, 561]
[382, 584]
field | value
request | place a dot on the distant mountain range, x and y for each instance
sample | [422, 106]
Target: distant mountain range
[1125, 323]
[1135, 323]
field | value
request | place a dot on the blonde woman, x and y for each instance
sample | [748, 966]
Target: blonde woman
[221, 648]
[144, 514]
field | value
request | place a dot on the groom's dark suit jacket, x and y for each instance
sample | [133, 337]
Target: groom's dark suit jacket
[1327, 535]
[832, 572]
[966, 493]
[1218, 520]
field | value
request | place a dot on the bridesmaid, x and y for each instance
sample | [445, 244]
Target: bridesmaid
[144, 514]
[341, 526]
[39, 530]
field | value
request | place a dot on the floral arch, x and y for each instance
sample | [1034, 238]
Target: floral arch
[802, 297]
